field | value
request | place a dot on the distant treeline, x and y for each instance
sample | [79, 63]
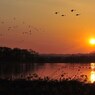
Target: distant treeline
[17, 55]
[24, 55]
[69, 58]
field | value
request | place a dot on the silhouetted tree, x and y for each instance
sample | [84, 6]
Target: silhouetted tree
[17, 54]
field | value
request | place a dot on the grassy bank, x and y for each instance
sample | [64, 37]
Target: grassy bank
[45, 87]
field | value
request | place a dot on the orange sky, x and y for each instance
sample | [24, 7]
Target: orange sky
[33, 24]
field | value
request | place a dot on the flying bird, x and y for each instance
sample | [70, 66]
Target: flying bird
[77, 14]
[30, 31]
[9, 28]
[24, 32]
[56, 12]
[73, 10]
[63, 15]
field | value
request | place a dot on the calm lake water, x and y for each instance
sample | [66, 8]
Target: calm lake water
[52, 70]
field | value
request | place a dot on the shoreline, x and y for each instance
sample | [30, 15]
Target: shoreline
[46, 87]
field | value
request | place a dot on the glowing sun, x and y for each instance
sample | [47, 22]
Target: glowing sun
[92, 41]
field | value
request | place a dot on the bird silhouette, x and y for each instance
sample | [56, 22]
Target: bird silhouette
[73, 10]
[63, 15]
[24, 33]
[77, 14]
[30, 31]
[9, 28]
[56, 12]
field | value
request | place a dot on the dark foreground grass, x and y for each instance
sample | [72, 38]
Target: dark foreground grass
[45, 87]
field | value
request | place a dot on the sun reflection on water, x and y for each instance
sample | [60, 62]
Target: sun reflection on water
[92, 77]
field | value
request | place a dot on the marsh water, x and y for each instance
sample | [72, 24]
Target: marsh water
[52, 70]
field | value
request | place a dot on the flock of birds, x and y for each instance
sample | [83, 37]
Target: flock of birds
[27, 29]
[72, 10]
[30, 28]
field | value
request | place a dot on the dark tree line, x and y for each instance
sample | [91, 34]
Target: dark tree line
[24, 55]
[70, 58]
[17, 55]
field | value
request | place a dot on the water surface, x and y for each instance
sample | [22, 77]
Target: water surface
[52, 70]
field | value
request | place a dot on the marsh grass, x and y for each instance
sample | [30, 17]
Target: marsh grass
[46, 86]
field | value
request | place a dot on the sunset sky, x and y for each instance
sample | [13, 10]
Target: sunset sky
[33, 24]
